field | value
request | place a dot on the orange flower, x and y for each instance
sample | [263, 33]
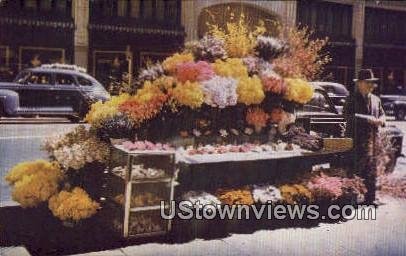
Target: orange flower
[277, 115]
[257, 117]
[142, 111]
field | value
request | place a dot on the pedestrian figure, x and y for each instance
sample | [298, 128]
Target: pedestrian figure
[364, 115]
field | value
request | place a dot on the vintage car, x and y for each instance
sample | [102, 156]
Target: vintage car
[395, 105]
[321, 116]
[336, 92]
[51, 90]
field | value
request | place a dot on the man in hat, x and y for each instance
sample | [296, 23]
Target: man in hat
[364, 114]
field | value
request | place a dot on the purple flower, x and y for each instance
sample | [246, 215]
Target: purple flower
[269, 47]
[209, 48]
[150, 73]
[220, 91]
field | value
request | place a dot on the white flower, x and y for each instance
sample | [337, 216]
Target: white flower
[223, 133]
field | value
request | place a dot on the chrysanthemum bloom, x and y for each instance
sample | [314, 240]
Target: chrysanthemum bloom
[220, 91]
[171, 62]
[298, 90]
[72, 206]
[191, 71]
[100, 111]
[232, 67]
[257, 117]
[250, 90]
[273, 83]
[34, 182]
[188, 94]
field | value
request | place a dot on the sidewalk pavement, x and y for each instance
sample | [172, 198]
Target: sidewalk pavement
[14, 251]
[383, 236]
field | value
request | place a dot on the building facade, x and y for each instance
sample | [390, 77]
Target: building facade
[102, 35]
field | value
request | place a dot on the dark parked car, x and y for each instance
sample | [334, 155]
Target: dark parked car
[337, 93]
[51, 90]
[395, 104]
[321, 116]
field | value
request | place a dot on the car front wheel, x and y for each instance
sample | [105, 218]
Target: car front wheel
[400, 114]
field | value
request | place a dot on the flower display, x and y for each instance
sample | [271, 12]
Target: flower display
[77, 135]
[355, 187]
[298, 90]
[34, 182]
[273, 83]
[77, 155]
[252, 64]
[100, 111]
[188, 94]
[257, 117]
[76, 148]
[239, 39]
[170, 63]
[201, 198]
[296, 194]
[191, 71]
[220, 92]
[250, 90]
[144, 106]
[72, 206]
[208, 48]
[304, 58]
[326, 187]
[269, 47]
[232, 67]
[235, 196]
[264, 194]
[117, 127]
[277, 115]
[165, 83]
[150, 73]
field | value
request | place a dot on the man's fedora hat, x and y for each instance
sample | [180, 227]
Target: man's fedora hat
[366, 75]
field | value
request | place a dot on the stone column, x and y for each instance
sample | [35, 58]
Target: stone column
[358, 23]
[80, 11]
[190, 19]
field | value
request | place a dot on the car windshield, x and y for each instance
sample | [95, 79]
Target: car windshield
[318, 103]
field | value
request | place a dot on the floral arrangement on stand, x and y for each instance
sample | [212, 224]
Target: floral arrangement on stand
[233, 83]
[233, 78]
[62, 183]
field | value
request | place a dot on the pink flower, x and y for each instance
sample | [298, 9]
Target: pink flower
[191, 71]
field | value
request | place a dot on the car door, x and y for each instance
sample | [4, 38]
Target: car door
[66, 92]
[35, 92]
[323, 116]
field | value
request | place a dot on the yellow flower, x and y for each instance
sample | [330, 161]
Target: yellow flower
[239, 39]
[34, 182]
[250, 90]
[189, 94]
[75, 205]
[293, 194]
[232, 67]
[298, 90]
[149, 91]
[100, 111]
[171, 62]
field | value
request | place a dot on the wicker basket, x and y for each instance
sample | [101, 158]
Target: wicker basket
[337, 144]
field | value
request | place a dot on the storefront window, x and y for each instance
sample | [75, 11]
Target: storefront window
[46, 5]
[135, 8]
[147, 8]
[30, 4]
